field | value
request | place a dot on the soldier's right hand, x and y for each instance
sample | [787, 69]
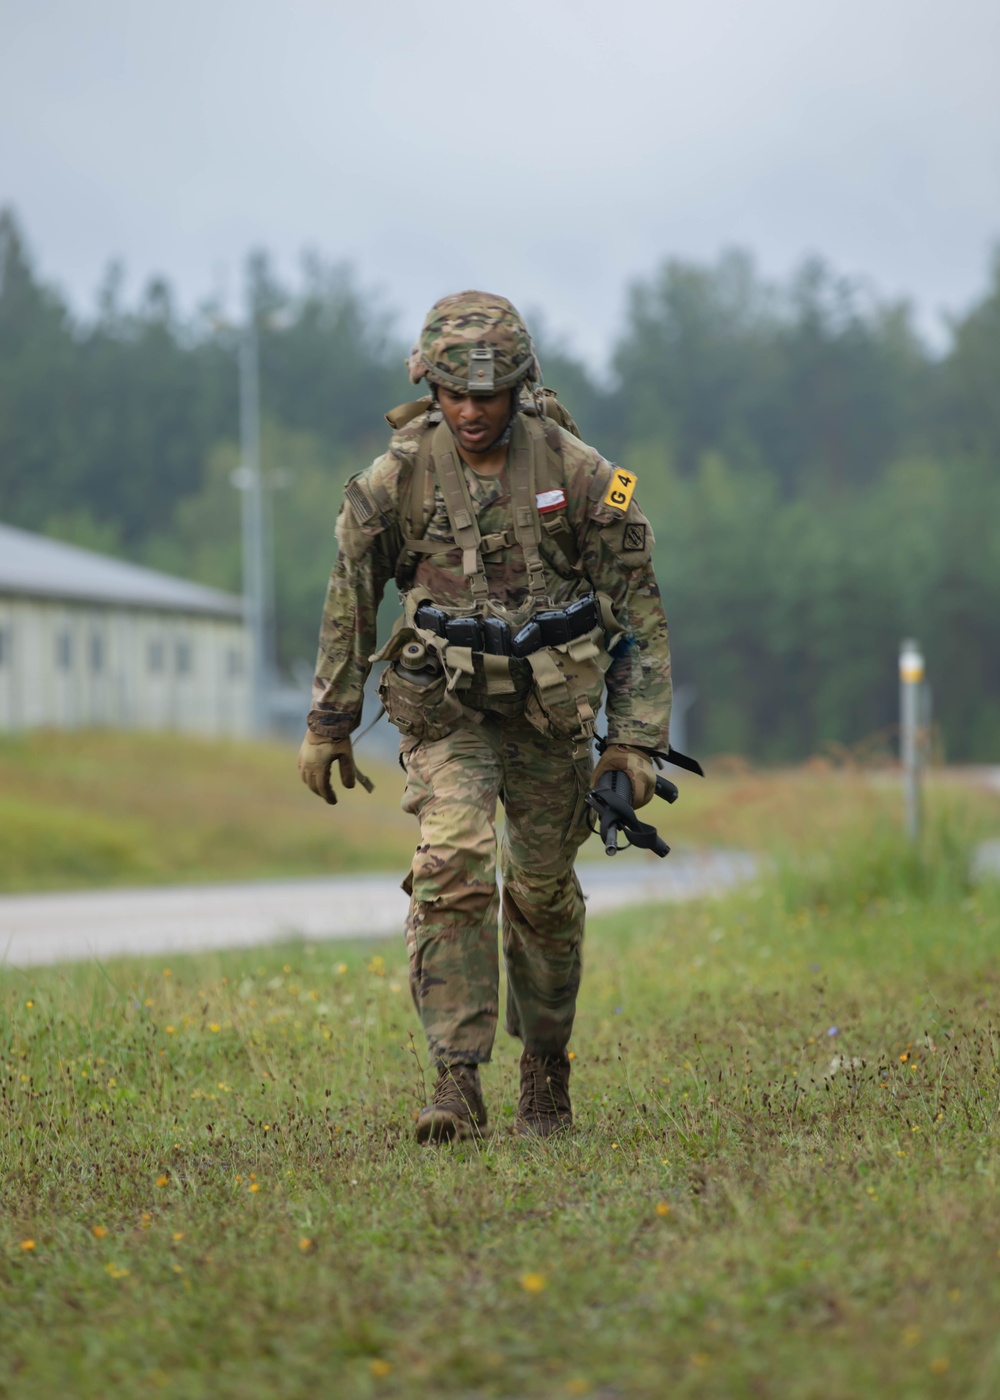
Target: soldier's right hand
[316, 758]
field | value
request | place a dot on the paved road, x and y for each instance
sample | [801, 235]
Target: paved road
[51, 928]
[987, 861]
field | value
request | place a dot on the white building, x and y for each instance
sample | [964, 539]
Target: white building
[90, 641]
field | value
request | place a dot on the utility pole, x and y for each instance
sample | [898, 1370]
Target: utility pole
[911, 679]
[251, 485]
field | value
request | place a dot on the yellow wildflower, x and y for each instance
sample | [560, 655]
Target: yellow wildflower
[532, 1283]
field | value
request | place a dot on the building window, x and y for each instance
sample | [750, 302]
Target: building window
[157, 657]
[234, 663]
[96, 651]
[184, 659]
[64, 651]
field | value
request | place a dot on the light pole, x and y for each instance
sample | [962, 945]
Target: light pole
[249, 481]
[911, 678]
[256, 524]
[256, 519]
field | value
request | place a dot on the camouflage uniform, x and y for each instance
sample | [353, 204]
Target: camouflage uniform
[488, 744]
[451, 931]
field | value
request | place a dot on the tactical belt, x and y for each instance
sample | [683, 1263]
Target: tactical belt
[492, 636]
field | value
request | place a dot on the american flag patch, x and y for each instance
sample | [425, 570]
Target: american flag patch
[550, 500]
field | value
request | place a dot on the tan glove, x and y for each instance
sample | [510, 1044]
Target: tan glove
[637, 766]
[316, 758]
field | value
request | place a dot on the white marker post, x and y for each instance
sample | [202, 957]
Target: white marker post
[911, 676]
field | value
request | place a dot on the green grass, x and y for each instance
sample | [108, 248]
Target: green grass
[100, 809]
[782, 1183]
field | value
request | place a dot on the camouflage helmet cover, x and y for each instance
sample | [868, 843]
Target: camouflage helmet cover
[473, 343]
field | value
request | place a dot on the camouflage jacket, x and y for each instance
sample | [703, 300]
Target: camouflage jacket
[613, 557]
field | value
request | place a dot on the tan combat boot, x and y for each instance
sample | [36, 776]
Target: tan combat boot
[544, 1107]
[457, 1109]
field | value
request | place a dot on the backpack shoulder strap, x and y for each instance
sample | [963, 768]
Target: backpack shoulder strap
[416, 499]
[529, 453]
[536, 464]
[450, 475]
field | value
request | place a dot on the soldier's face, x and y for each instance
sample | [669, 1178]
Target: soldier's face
[476, 420]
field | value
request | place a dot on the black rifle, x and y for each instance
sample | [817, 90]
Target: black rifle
[611, 801]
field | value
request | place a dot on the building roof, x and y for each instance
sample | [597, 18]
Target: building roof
[36, 567]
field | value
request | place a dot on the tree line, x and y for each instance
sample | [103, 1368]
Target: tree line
[820, 482]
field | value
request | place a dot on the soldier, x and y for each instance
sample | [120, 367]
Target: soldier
[523, 565]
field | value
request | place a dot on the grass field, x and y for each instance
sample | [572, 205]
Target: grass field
[782, 1183]
[100, 809]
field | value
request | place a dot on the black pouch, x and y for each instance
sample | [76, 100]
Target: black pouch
[464, 632]
[433, 619]
[554, 627]
[526, 641]
[583, 616]
[496, 637]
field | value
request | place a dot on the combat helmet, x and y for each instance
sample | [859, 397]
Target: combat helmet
[474, 343]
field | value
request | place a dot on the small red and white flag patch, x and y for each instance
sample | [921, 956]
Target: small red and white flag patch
[550, 500]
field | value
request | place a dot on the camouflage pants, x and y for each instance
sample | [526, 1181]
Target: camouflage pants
[452, 787]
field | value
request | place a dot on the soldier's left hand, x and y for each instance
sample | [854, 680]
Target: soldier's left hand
[637, 766]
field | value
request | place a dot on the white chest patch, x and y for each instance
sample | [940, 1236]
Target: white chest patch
[550, 500]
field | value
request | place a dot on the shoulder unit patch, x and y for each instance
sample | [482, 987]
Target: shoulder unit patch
[634, 539]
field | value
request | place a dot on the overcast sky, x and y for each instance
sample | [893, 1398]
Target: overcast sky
[547, 149]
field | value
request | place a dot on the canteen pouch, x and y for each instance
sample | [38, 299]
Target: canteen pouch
[421, 712]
